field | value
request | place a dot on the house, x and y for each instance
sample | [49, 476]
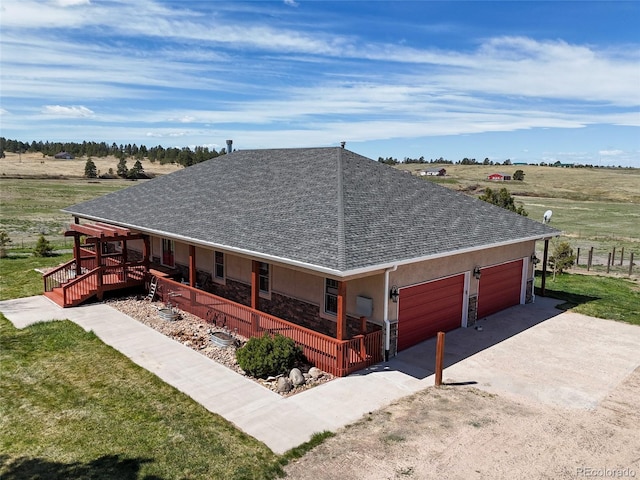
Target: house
[499, 177]
[433, 172]
[63, 156]
[349, 257]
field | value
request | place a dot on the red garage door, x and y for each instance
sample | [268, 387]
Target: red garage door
[499, 287]
[428, 308]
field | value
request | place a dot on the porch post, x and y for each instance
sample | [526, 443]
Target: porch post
[192, 266]
[146, 251]
[124, 251]
[77, 254]
[255, 295]
[544, 267]
[341, 314]
[99, 266]
[255, 285]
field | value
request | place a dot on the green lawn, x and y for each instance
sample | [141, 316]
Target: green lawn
[596, 296]
[73, 407]
[18, 277]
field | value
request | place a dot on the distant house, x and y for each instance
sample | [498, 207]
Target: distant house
[499, 177]
[63, 156]
[433, 172]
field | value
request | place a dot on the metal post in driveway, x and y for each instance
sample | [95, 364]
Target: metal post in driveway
[439, 358]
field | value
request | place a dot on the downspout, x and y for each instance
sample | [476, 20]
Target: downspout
[385, 319]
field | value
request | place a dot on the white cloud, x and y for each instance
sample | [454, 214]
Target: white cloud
[71, 3]
[291, 3]
[611, 153]
[4, 112]
[76, 111]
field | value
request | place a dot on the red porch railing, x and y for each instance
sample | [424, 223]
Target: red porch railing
[74, 289]
[338, 357]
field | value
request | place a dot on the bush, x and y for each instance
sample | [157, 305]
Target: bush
[43, 247]
[562, 258]
[4, 241]
[266, 355]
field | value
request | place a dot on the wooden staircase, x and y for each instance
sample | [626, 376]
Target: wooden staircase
[64, 287]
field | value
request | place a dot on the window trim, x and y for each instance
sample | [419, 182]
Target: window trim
[330, 295]
[267, 277]
[219, 279]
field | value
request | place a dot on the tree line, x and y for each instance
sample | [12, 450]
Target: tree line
[184, 156]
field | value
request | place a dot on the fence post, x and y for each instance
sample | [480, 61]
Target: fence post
[613, 257]
[621, 255]
[590, 259]
[439, 358]
[578, 258]
[609, 262]
[631, 264]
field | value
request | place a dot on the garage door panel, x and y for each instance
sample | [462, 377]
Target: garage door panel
[499, 287]
[428, 308]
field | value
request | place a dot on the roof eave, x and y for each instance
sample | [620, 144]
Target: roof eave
[356, 272]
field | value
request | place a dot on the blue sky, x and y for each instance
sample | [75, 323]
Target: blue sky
[528, 81]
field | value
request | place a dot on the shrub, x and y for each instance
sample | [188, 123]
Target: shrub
[43, 247]
[562, 258]
[4, 241]
[267, 355]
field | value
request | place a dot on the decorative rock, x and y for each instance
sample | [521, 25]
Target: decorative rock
[284, 385]
[315, 372]
[296, 377]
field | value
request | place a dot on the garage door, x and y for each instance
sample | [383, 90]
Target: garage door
[428, 308]
[499, 287]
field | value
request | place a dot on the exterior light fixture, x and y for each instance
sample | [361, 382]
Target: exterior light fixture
[476, 273]
[535, 260]
[393, 294]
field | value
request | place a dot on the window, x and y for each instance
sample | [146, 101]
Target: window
[264, 277]
[331, 296]
[168, 252]
[218, 260]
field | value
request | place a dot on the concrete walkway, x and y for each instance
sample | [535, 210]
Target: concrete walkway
[528, 351]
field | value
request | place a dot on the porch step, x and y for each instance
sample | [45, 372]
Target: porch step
[57, 297]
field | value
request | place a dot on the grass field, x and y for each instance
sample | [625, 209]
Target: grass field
[72, 407]
[32, 206]
[597, 208]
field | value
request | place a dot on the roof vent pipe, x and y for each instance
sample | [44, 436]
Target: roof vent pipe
[229, 146]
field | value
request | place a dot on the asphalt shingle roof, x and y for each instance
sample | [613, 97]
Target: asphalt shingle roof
[329, 208]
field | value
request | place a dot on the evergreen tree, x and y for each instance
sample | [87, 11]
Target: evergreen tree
[502, 198]
[137, 171]
[518, 175]
[90, 170]
[43, 247]
[4, 241]
[122, 169]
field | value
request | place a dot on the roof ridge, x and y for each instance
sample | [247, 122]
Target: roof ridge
[342, 261]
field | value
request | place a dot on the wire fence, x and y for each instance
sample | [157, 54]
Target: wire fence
[612, 260]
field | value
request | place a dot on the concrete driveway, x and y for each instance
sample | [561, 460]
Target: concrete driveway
[536, 352]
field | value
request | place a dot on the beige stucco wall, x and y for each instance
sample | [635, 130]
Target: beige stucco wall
[309, 286]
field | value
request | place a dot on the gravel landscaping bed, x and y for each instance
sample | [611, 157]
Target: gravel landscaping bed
[194, 333]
